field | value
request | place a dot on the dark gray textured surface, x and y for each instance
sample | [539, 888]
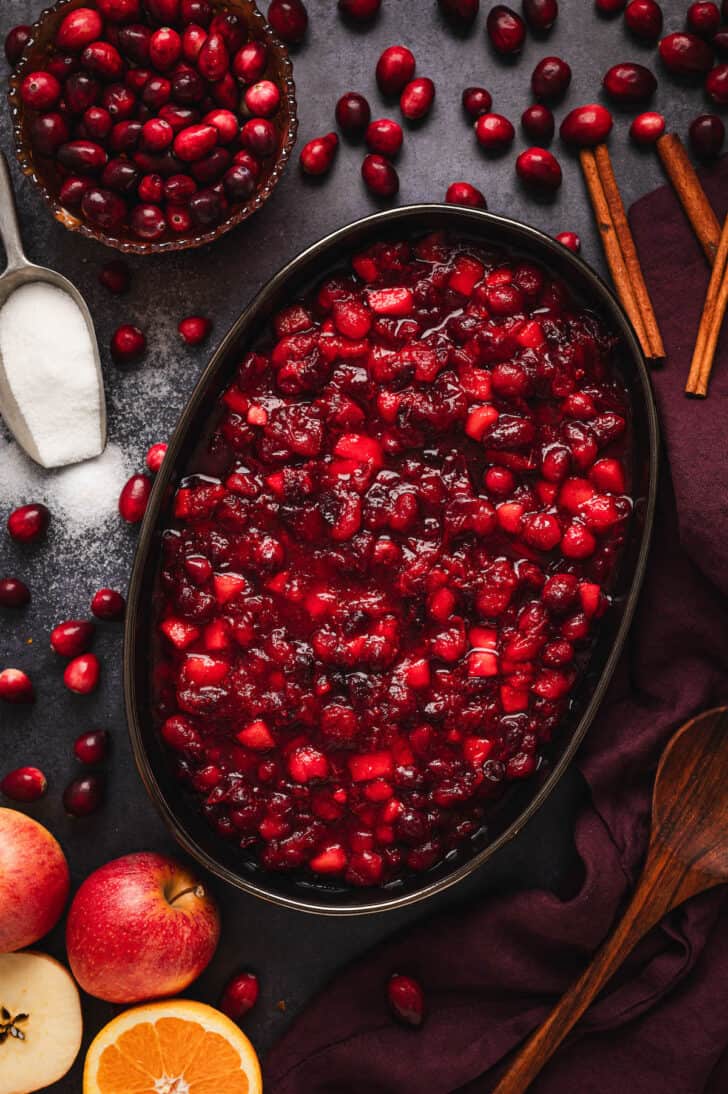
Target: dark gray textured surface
[293, 954]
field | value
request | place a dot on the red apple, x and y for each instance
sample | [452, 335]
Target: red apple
[141, 927]
[34, 881]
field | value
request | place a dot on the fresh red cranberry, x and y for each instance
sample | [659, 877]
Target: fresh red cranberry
[686, 54]
[719, 42]
[151, 188]
[62, 65]
[82, 157]
[538, 123]
[157, 134]
[417, 98]
[80, 92]
[48, 132]
[462, 193]
[462, 12]
[570, 240]
[103, 208]
[539, 169]
[121, 176]
[494, 132]
[148, 222]
[195, 142]
[83, 796]
[706, 135]
[506, 30]
[108, 604]
[16, 686]
[629, 83]
[540, 14]
[14, 593]
[586, 126]
[395, 69]
[209, 170]
[224, 122]
[551, 78]
[240, 995]
[647, 128]
[81, 675]
[178, 189]
[134, 42]
[15, 42]
[476, 101]
[120, 102]
[25, 784]
[703, 18]
[262, 98]
[193, 39]
[379, 176]
[72, 191]
[165, 48]
[407, 999]
[384, 136]
[163, 12]
[352, 114]
[156, 453]
[28, 523]
[134, 497]
[128, 344]
[206, 209]
[124, 136]
[213, 60]
[239, 183]
[91, 748]
[103, 60]
[188, 88]
[609, 7]
[196, 11]
[78, 29]
[120, 11]
[73, 637]
[317, 156]
[259, 137]
[97, 122]
[716, 84]
[250, 62]
[195, 328]
[40, 90]
[644, 19]
[289, 19]
[232, 29]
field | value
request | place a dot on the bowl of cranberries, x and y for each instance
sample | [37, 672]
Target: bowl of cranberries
[390, 559]
[153, 125]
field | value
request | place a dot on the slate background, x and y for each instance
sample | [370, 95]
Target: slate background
[294, 954]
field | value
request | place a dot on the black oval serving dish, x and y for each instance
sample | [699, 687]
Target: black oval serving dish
[521, 801]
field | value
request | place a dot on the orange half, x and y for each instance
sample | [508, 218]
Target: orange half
[172, 1047]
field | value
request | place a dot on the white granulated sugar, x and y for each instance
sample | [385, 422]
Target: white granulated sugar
[50, 369]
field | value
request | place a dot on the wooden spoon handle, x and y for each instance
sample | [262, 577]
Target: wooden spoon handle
[661, 887]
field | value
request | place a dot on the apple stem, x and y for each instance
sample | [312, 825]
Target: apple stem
[198, 891]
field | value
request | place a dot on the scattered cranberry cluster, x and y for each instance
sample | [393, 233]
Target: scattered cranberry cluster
[156, 114]
[385, 573]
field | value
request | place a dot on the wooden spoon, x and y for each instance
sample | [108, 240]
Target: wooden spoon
[688, 854]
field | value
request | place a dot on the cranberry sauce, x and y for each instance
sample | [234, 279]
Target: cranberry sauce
[372, 620]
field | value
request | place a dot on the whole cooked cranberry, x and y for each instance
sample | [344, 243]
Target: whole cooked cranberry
[586, 126]
[121, 176]
[462, 12]
[119, 11]
[629, 83]
[103, 208]
[195, 328]
[124, 136]
[81, 675]
[73, 637]
[156, 452]
[134, 42]
[259, 136]
[14, 593]
[25, 784]
[686, 54]
[91, 748]
[551, 78]
[83, 796]
[360, 11]
[352, 114]
[28, 523]
[317, 156]
[462, 193]
[379, 176]
[206, 209]
[506, 30]
[104, 60]
[385, 137]
[644, 19]
[538, 169]
[407, 999]
[609, 7]
[262, 98]
[72, 191]
[494, 132]
[540, 14]
[395, 69]
[108, 604]
[289, 19]
[157, 92]
[128, 344]
[239, 183]
[97, 122]
[196, 11]
[48, 132]
[134, 497]
[250, 61]
[40, 90]
[647, 128]
[716, 84]
[703, 18]
[538, 123]
[570, 240]
[151, 189]
[16, 686]
[417, 98]
[241, 993]
[78, 28]
[706, 135]
[15, 42]
[476, 101]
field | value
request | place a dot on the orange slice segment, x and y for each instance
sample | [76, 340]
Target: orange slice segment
[173, 1047]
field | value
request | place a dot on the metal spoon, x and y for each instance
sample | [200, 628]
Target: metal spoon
[20, 271]
[688, 854]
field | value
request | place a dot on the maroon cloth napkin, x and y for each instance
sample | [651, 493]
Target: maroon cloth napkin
[492, 970]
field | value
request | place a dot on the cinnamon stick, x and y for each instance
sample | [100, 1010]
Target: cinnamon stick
[692, 197]
[626, 242]
[612, 249]
[716, 300]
